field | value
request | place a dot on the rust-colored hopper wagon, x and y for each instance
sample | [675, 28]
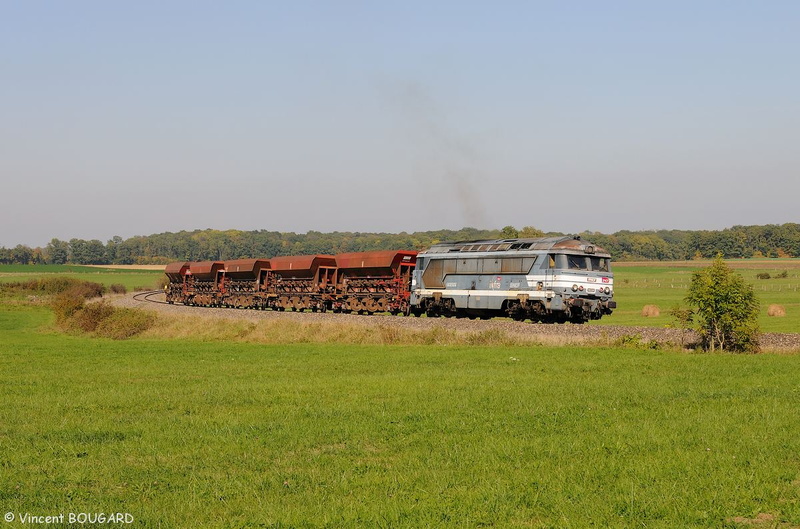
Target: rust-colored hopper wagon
[205, 283]
[302, 281]
[176, 276]
[244, 283]
[377, 281]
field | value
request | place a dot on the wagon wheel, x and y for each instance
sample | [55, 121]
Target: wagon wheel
[296, 303]
[382, 304]
[370, 304]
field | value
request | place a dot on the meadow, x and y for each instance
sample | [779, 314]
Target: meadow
[201, 432]
[189, 433]
[131, 279]
[665, 284]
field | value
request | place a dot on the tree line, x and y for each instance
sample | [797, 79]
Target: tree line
[201, 245]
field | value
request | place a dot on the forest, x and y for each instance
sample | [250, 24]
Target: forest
[770, 240]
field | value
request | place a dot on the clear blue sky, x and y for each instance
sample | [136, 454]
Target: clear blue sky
[125, 118]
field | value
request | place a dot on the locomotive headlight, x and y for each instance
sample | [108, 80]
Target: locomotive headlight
[607, 290]
[574, 288]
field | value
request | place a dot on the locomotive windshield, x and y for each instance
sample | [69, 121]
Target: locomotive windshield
[579, 262]
[600, 264]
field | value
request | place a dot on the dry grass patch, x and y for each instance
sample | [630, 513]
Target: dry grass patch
[361, 332]
[292, 332]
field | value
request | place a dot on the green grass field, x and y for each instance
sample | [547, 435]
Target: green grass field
[207, 433]
[212, 434]
[132, 279]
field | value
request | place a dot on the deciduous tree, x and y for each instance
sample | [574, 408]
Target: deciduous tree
[725, 308]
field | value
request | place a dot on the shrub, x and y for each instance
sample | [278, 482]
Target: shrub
[763, 275]
[69, 300]
[726, 308]
[58, 285]
[89, 290]
[117, 288]
[651, 311]
[635, 341]
[90, 316]
[66, 304]
[783, 275]
[125, 323]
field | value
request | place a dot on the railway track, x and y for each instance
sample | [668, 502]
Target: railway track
[145, 296]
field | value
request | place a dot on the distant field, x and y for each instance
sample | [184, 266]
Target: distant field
[188, 433]
[758, 263]
[159, 268]
[665, 284]
[106, 276]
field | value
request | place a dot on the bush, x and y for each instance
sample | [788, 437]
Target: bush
[635, 341]
[66, 304]
[763, 275]
[74, 314]
[726, 308]
[125, 323]
[89, 290]
[69, 301]
[117, 288]
[58, 285]
[89, 317]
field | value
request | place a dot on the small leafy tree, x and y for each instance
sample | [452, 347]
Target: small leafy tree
[726, 308]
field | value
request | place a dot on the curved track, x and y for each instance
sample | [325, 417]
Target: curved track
[145, 296]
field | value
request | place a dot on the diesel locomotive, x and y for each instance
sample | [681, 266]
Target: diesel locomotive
[549, 280]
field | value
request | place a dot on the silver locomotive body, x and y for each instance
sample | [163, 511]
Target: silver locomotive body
[550, 280]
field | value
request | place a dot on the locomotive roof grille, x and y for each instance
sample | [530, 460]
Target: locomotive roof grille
[566, 243]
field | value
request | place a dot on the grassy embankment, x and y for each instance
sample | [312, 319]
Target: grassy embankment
[201, 432]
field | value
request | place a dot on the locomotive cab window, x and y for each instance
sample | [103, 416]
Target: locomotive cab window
[577, 262]
[600, 264]
[571, 262]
